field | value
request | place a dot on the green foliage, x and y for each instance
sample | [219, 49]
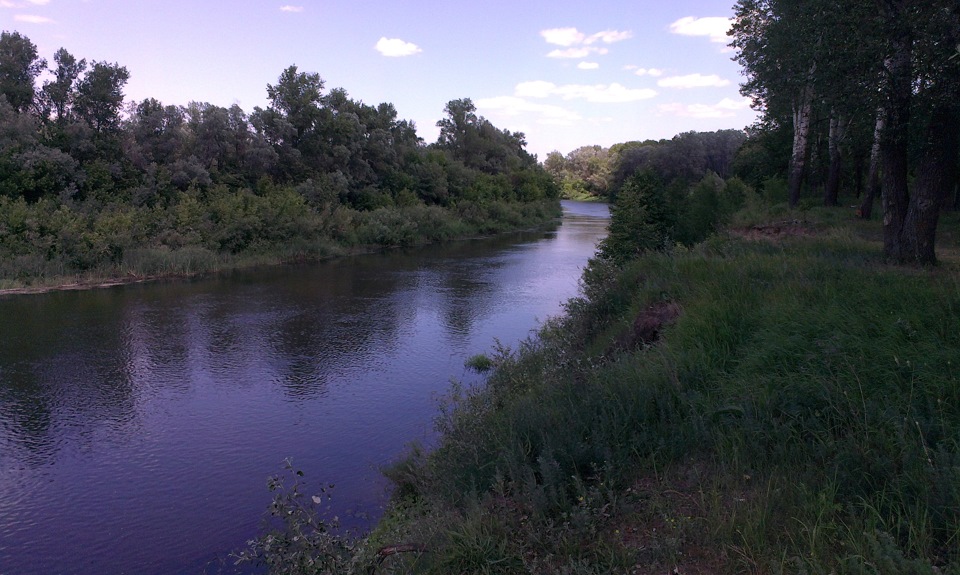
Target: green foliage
[19, 67]
[640, 220]
[583, 174]
[298, 539]
[177, 186]
[479, 363]
[809, 391]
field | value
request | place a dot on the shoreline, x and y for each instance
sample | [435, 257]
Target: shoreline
[76, 283]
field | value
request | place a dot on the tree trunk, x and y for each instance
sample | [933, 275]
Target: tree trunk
[858, 162]
[838, 130]
[873, 174]
[802, 111]
[936, 176]
[894, 140]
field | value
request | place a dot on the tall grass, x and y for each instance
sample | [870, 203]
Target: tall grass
[802, 414]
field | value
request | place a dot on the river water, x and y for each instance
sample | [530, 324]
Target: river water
[138, 424]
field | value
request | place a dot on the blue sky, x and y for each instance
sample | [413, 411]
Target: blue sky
[567, 74]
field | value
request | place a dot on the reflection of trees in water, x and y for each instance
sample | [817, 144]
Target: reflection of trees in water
[56, 378]
[340, 317]
[69, 360]
[467, 281]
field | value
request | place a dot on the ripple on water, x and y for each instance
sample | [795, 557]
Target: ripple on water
[138, 425]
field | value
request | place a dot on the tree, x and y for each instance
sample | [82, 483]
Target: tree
[19, 68]
[158, 131]
[297, 97]
[588, 168]
[775, 42]
[100, 96]
[555, 164]
[640, 220]
[922, 67]
[790, 53]
[60, 93]
[458, 131]
[887, 63]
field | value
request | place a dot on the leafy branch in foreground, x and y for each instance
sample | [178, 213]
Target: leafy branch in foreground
[297, 538]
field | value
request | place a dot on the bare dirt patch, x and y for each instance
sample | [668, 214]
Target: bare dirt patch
[670, 526]
[776, 230]
[647, 326]
[89, 284]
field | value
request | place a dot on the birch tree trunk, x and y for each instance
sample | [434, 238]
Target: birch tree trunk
[873, 173]
[802, 112]
[838, 131]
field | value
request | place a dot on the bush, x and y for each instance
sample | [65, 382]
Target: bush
[298, 539]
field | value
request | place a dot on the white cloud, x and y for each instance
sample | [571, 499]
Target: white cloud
[609, 36]
[715, 27]
[588, 65]
[289, 8]
[535, 89]
[563, 36]
[577, 44]
[598, 93]
[655, 72]
[394, 47]
[39, 2]
[573, 37]
[581, 52]
[607, 94]
[7, 4]
[693, 81]
[726, 108]
[31, 19]
[515, 106]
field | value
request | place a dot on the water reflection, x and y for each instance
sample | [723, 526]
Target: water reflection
[137, 425]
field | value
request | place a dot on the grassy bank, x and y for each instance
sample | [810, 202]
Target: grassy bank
[46, 246]
[775, 400]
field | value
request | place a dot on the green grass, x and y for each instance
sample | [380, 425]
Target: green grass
[801, 415]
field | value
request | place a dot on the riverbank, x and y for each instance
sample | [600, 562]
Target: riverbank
[777, 399]
[357, 233]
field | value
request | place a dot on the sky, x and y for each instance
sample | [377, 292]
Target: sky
[565, 73]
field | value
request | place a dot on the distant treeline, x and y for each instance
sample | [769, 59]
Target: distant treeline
[667, 192]
[86, 179]
[600, 173]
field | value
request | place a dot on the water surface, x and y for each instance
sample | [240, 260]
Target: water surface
[138, 424]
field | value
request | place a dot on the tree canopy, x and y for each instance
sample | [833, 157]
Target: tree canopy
[72, 145]
[861, 78]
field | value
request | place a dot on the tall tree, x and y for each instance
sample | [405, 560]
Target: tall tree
[60, 93]
[778, 45]
[100, 96]
[458, 131]
[791, 54]
[19, 68]
[931, 40]
[904, 64]
[873, 172]
[895, 137]
[297, 96]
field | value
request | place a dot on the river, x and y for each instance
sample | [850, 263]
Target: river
[138, 424]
